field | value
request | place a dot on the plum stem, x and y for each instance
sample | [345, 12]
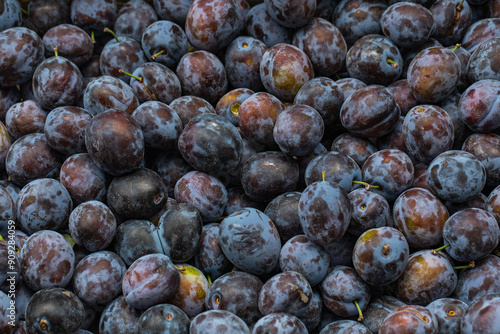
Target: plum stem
[112, 33]
[56, 52]
[153, 57]
[386, 249]
[456, 47]
[24, 11]
[92, 36]
[435, 251]
[323, 175]
[2, 239]
[360, 318]
[460, 5]
[367, 185]
[471, 264]
[140, 79]
[392, 62]
[209, 279]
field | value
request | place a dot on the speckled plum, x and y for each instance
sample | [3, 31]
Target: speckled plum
[407, 24]
[482, 315]
[480, 280]
[205, 192]
[409, 319]
[298, 130]
[218, 322]
[479, 106]
[43, 204]
[291, 13]
[22, 51]
[157, 83]
[433, 74]
[97, 278]
[25, 117]
[420, 216]
[451, 20]
[380, 255]
[212, 25]
[83, 179]
[284, 69]
[340, 288]
[324, 44]
[107, 92]
[286, 292]
[356, 19]
[152, 279]
[250, 241]
[471, 233]
[202, 74]
[115, 142]
[47, 260]
[427, 131]
[92, 225]
[257, 116]
[242, 62]
[390, 169]
[31, 157]
[260, 25]
[211, 143]
[324, 212]
[238, 293]
[456, 176]
[65, 129]
[160, 124]
[426, 278]
[371, 111]
[303, 256]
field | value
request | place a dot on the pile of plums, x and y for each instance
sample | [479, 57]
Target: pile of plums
[249, 166]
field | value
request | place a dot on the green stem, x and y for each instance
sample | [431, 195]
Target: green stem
[56, 53]
[360, 318]
[367, 185]
[435, 251]
[131, 75]
[471, 264]
[112, 33]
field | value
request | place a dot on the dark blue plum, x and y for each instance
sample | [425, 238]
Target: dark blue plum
[54, 310]
[303, 256]
[136, 238]
[342, 289]
[211, 143]
[238, 293]
[449, 313]
[118, 316]
[133, 18]
[180, 229]
[218, 322]
[92, 225]
[324, 95]
[205, 192]
[298, 130]
[209, 257]
[391, 170]
[152, 279]
[250, 241]
[162, 318]
[97, 278]
[47, 260]
[260, 25]
[456, 176]
[279, 323]
[286, 292]
[324, 212]
[242, 61]
[22, 51]
[43, 204]
[380, 255]
[336, 167]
